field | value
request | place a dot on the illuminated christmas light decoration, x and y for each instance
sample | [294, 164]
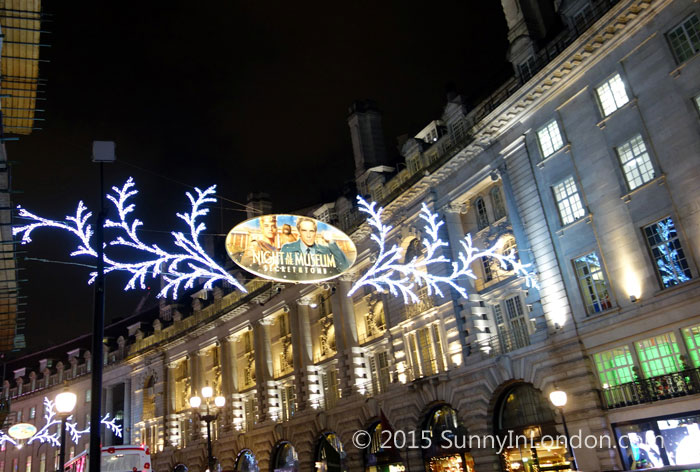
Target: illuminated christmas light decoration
[180, 268]
[43, 435]
[387, 273]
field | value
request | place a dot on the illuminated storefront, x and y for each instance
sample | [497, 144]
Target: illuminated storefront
[285, 458]
[447, 450]
[523, 410]
[246, 462]
[658, 442]
[378, 458]
[330, 454]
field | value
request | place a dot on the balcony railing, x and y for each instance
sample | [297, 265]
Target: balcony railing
[662, 387]
[502, 343]
[424, 303]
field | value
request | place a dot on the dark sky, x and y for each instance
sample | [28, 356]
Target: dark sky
[251, 96]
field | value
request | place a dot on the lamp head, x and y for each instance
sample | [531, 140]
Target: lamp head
[207, 392]
[558, 398]
[65, 402]
[195, 401]
[219, 401]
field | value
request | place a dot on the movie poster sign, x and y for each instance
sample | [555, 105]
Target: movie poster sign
[290, 248]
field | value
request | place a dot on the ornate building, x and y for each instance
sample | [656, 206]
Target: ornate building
[585, 165]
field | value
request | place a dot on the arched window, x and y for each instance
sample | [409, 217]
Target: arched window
[522, 410]
[286, 458]
[499, 208]
[448, 445]
[414, 249]
[482, 219]
[246, 462]
[509, 247]
[330, 454]
[378, 457]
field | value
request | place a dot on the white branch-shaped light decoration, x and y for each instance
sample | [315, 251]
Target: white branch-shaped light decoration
[179, 268]
[50, 420]
[388, 273]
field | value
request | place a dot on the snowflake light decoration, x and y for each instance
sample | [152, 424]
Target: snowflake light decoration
[50, 420]
[182, 268]
[388, 273]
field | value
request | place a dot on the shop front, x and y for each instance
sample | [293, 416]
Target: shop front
[662, 441]
[330, 454]
[246, 462]
[380, 456]
[525, 420]
[285, 458]
[447, 447]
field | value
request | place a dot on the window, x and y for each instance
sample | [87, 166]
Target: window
[518, 323]
[591, 282]
[32, 413]
[568, 201]
[28, 467]
[331, 390]
[612, 95]
[692, 341]
[42, 463]
[528, 69]
[550, 139]
[486, 263]
[88, 395]
[482, 219]
[379, 371]
[499, 208]
[287, 397]
[669, 259]
[635, 162]
[19, 416]
[685, 39]
[659, 355]
[615, 367]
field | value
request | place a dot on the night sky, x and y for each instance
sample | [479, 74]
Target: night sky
[251, 96]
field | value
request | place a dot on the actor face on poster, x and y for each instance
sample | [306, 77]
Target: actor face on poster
[305, 250]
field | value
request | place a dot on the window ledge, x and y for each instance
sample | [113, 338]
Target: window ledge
[632, 103]
[588, 218]
[678, 287]
[660, 180]
[675, 73]
[564, 149]
[610, 311]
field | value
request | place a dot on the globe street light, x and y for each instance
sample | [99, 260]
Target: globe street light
[219, 402]
[558, 399]
[65, 403]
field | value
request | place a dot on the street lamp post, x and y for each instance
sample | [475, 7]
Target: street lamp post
[558, 399]
[219, 402]
[65, 403]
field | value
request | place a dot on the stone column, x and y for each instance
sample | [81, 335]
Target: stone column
[171, 421]
[306, 379]
[108, 436]
[127, 433]
[524, 253]
[350, 356]
[468, 319]
[263, 366]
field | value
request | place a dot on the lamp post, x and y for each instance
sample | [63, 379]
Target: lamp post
[558, 399]
[219, 402]
[65, 403]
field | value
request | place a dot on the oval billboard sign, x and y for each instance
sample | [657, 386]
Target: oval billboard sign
[290, 248]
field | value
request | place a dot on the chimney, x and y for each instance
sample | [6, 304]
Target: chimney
[258, 204]
[365, 122]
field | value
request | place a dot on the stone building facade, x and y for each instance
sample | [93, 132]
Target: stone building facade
[586, 165]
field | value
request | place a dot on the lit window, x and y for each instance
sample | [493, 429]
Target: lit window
[615, 367]
[32, 413]
[568, 201]
[482, 219]
[550, 139]
[685, 39]
[28, 467]
[635, 162]
[692, 341]
[666, 251]
[88, 395]
[659, 355]
[612, 95]
[499, 208]
[591, 282]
